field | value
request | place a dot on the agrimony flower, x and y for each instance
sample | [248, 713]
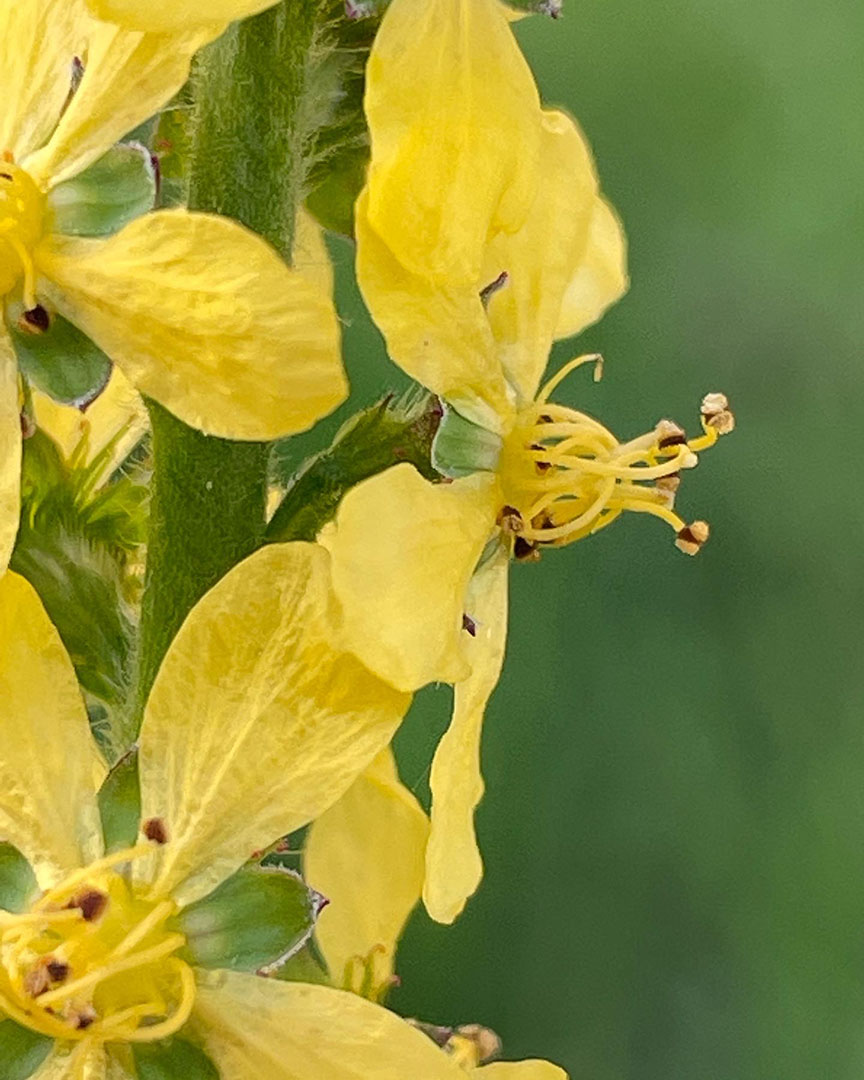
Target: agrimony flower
[470, 282]
[200, 314]
[255, 725]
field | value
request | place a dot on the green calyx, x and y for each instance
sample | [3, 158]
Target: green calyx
[173, 1059]
[115, 190]
[462, 447]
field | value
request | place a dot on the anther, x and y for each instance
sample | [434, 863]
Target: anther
[525, 551]
[35, 320]
[716, 413]
[154, 829]
[91, 903]
[691, 538]
[487, 1044]
[541, 466]
[83, 1016]
[510, 520]
[670, 434]
[469, 626]
[488, 291]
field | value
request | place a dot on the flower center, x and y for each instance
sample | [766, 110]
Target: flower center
[565, 475]
[92, 960]
[22, 207]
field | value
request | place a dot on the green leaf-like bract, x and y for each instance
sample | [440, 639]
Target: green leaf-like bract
[18, 885]
[115, 190]
[21, 1051]
[256, 919]
[60, 361]
[120, 804]
[174, 1059]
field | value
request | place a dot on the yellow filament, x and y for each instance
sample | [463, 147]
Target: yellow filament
[559, 377]
[28, 267]
[78, 877]
[179, 1017]
[156, 917]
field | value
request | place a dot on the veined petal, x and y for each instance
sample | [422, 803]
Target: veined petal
[454, 119]
[204, 316]
[159, 16]
[543, 256]
[128, 77]
[404, 550]
[256, 723]
[365, 854]
[601, 278]
[10, 448]
[117, 415]
[293, 1031]
[437, 333]
[49, 769]
[519, 1070]
[309, 255]
[454, 867]
[38, 42]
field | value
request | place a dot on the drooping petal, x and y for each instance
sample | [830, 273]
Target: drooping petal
[519, 1070]
[437, 333]
[49, 768]
[256, 723]
[544, 255]
[10, 449]
[128, 77]
[365, 854]
[294, 1031]
[38, 42]
[205, 317]
[403, 553]
[117, 416]
[159, 16]
[601, 278]
[454, 867]
[454, 119]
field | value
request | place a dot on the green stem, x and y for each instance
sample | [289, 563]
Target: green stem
[246, 162]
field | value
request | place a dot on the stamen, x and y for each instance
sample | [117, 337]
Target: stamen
[560, 376]
[691, 538]
[79, 877]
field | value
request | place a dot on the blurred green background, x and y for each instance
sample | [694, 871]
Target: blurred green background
[674, 823]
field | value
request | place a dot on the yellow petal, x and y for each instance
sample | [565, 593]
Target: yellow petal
[117, 416]
[365, 854]
[256, 724]
[253, 1027]
[438, 333]
[309, 255]
[87, 1061]
[128, 77]
[38, 41]
[49, 768]
[164, 15]
[601, 278]
[453, 864]
[404, 550]
[10, 448]
[204, 316]
[454, 119]
[519, 1070]
[542, 258]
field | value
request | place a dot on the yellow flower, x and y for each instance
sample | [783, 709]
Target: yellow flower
[255, 726]
[199, 313]
[159, 16]
[365, 854]
[470, 283]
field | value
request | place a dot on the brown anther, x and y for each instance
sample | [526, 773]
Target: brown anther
[486, 1042]
[716, 413]
[669, 483]
[154, 829]
[83, 1016]
[36, 981]
[488, 291]
[28, 425]
[7, 156]
[58, 970]
[510, 520]
[35, 320]
[469, 626]
[691, 538]
[91, 903]
[541, 466]
[670, 434]
[525, 550]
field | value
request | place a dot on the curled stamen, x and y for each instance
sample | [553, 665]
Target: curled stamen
[691, 538]
[716, 413]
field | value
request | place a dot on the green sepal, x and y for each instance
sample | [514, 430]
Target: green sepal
[305, 966]
[370, 442]
[172, 1059]
[461, 447]
[115, 190]
[256, 919]
[120, 804]
[61, 361]
[21, 1051]
[18, 885]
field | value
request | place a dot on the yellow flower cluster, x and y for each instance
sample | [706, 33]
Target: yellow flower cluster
[482, 237]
